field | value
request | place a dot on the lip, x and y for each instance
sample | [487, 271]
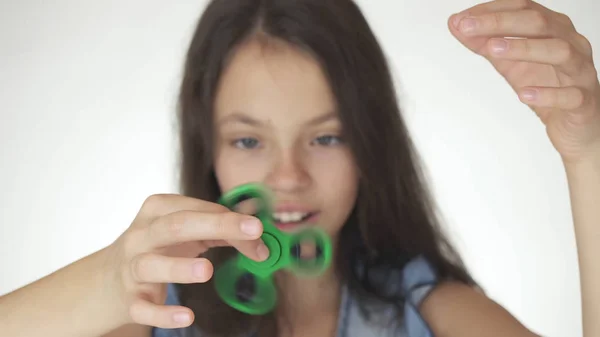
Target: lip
[293, 207]
[289, 227]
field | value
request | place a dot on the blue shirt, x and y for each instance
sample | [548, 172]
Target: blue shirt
[417, 280]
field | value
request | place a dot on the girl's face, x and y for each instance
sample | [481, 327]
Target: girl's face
[276, 123]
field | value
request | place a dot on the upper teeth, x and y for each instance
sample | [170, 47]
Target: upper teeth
[289, 216]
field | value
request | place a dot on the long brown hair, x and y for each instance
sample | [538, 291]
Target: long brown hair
[393, 220]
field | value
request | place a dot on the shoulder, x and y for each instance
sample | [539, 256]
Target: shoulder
[418, 281]
[452, 309]
[414, 283]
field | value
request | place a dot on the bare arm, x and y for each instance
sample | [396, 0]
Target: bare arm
[564, 92]
[62, 303]
[455, 310]
[584, 189]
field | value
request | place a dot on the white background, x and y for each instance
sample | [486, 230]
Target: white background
[87, 94]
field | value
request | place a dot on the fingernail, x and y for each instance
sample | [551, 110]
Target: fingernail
[199, 270]
[262, 251]
[468, 25]
[181, 317]
[499, 45]
[529, 94]
[456, 19]
[251, 226]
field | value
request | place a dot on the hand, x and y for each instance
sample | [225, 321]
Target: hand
[162, 246]
[547, 62]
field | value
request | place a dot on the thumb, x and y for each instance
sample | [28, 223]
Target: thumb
[456, 22]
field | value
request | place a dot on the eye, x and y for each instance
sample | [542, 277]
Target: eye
[328, 140]
[245, 143]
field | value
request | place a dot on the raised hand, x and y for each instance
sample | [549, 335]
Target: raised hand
[546, 61]
[162, 246]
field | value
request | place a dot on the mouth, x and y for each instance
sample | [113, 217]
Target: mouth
[288, 220]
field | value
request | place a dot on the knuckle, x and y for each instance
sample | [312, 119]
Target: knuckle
[565, 18]
[172, 271]
[586, 45]
[574, 99]
[176, 222]
[141, 313]
[565, 51]
[139, 267]
[497, 20]
[539, 21]
[154, 199]
[522, 4]
[580, 97]
[169, 226]
[526, 47]
[130, 242]
[225, 222]
[134, 313]
[154, 230]
[220, 208]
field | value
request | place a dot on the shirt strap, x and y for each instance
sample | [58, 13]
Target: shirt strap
[419, 279]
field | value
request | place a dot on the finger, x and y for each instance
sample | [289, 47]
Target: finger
[521, 23]
[155, 268]
[185, 226]
[161, 316]
[556, 52]
[255, 249]
[160, 204]
[506, 6]
[567, 98]
[490, 7]
[501, 5]
[562, 23]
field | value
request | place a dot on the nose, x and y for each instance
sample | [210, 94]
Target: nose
[288, 173]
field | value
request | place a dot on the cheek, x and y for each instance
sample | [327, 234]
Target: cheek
[336, 175]
[234, 167]
[334, 167]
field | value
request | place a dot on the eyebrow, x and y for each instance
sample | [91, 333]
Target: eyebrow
[239, 117]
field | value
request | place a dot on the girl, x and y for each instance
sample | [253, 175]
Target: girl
[297, 95]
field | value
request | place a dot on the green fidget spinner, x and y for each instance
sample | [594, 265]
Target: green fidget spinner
[247, 285]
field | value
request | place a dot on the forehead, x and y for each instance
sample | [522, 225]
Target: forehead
[273, 82]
